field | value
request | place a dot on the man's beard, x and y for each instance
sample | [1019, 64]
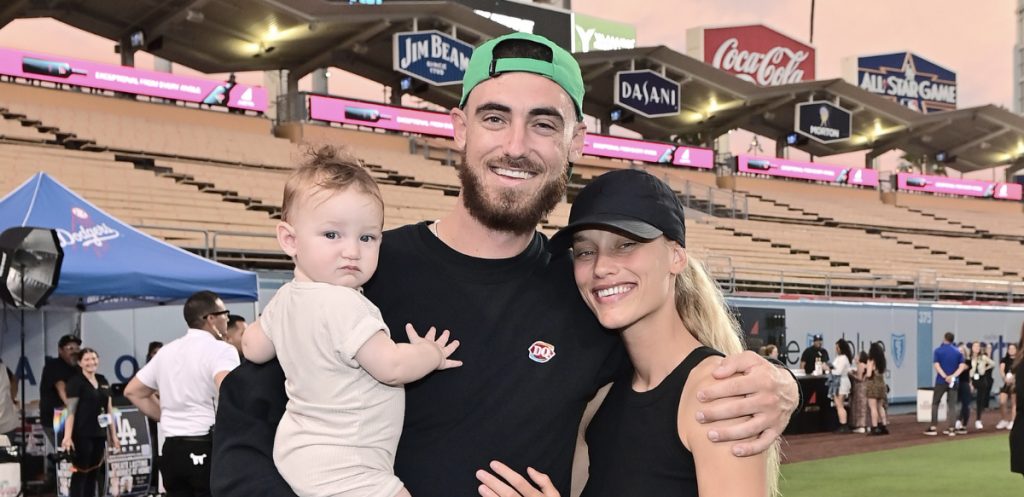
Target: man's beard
[510, 212]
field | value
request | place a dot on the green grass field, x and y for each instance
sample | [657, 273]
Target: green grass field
[957, 468]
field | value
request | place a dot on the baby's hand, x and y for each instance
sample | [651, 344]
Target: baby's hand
[442, 343]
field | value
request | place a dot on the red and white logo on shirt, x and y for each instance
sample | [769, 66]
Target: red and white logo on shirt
[541, 351]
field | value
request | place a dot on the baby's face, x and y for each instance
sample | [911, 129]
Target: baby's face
[336, 237]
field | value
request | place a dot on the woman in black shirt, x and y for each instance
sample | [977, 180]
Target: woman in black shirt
[89, 420]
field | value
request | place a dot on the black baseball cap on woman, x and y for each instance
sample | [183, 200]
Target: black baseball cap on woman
[629, 201]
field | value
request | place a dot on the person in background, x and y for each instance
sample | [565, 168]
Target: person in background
[948, 363]
[154, 347]
[9, 416]
[88, 425]
[982, 366]
[236, 327]
[53, 395]
[964, 393]
[53, 386]
[841, 368]
[876, 390]
[187, 372]
[154, 427]
[858, 415]
[1017, 433]
[770, 351]
[1007, 394]
[814, 356]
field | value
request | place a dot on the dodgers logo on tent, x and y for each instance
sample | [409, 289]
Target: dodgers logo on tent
[84, 231]
[899, 348]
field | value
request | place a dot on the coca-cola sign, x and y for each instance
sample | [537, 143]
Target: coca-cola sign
[756, 54]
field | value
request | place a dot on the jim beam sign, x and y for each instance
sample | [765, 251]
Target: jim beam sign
[647, 93]
[823, 121]
[431, 56]
[753, 53]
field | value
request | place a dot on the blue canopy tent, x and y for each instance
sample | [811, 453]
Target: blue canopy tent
[109, 264]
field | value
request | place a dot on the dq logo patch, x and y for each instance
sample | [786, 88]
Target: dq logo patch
[541, 351]
[899, 348]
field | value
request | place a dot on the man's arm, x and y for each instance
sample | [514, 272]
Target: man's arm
[144, 398]
[62, 390]
[252, 401]
[748, 385]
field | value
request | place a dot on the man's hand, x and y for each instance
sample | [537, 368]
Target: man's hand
[748, 386]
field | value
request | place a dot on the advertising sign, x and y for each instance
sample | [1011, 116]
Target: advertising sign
[431, 56]
[129, 470]
[908, 79]
[647, 151]
[647, 93]
[550, 22]
[592, 34]
[374, 115]
[823, 121]
[359, 113]
[756, 54]
[66, 70]
[965, 187]
[785, 168]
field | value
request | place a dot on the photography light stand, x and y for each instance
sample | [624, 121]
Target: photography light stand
[30, 262]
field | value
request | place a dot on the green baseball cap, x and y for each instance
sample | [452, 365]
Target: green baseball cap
[562, 68]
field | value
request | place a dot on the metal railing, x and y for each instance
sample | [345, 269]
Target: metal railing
[926, 285]
[705, 198]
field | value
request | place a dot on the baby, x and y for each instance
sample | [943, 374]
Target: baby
[344, 373]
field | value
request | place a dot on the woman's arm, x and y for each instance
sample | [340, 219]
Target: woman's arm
[748, 476]
[69, 424]
[113, 424]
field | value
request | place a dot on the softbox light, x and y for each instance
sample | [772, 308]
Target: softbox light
[30, 260]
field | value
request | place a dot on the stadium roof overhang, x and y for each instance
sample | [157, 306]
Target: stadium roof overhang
[975, 138]
[303, 35]
[876, 123]
[216, 36]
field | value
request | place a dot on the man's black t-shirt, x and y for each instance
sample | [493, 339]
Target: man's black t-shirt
[54, 370]
[810, 353]
[92, 401]
[533, 354]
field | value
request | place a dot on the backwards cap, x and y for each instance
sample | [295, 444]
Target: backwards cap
[562, 68]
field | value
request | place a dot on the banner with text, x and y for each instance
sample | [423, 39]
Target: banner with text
[647, 151]
[908, 79]
[359, 113]
[757, 54]
[965, 187]
[806, 170]
[130, 470]
[60, 69]
[374, 115]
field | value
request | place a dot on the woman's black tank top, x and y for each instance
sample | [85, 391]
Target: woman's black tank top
[634, 443]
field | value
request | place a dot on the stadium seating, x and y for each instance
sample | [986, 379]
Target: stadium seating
[211, 182]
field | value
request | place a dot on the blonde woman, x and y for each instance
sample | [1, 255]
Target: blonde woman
[627, 236]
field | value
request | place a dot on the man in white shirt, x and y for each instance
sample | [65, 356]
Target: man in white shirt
[187, 374]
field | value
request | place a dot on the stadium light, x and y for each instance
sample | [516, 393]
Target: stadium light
[30, 260]
[618, 115]
[795, 139]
